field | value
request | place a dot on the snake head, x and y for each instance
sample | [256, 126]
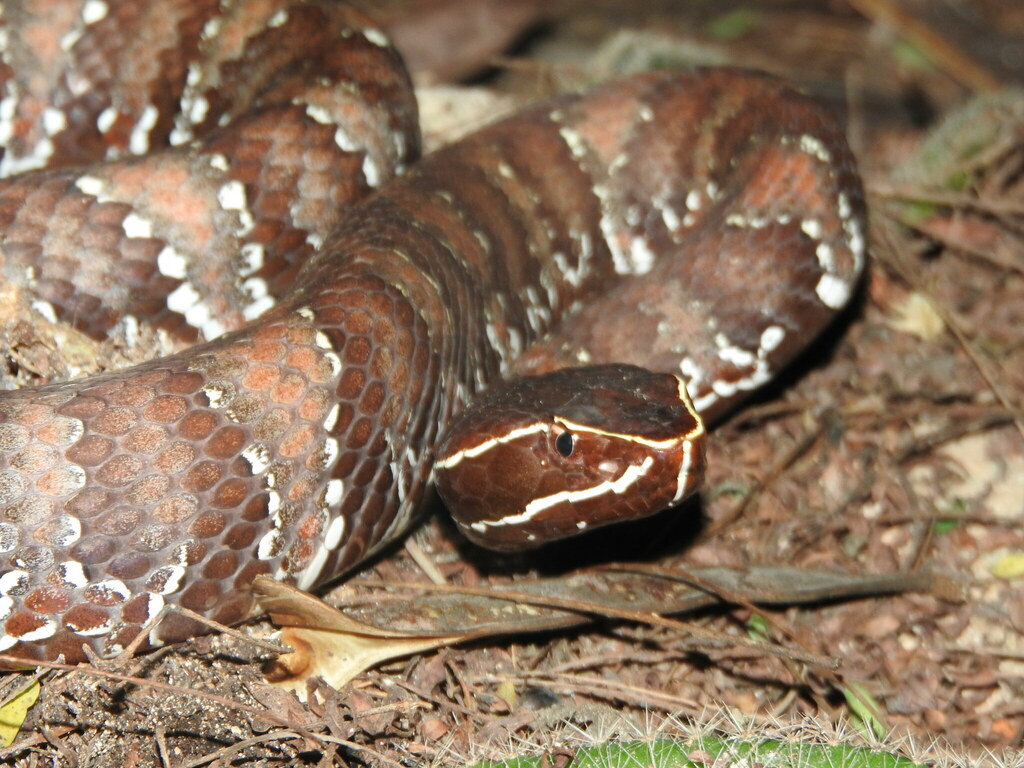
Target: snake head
[553, 456]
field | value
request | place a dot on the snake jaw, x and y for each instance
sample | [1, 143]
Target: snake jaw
[512, 480]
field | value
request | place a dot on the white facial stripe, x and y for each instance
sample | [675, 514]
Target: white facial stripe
[686, 465]
[572, 426]
[684, 472]
[684, 395]
[486, 445]
[658, 444]
[619, 485]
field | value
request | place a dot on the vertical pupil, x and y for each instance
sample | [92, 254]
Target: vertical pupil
[563, 443]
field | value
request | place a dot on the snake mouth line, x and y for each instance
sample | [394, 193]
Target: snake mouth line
[619, 485]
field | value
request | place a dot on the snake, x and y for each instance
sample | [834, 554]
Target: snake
[538, 318]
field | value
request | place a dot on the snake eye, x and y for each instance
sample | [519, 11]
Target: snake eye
[564, 443]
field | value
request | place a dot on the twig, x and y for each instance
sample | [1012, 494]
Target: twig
[25, 685]
[924, 443]
[237, 747]
[831, 676]
[927, 520]
[262, 714]
[423, 560]
[959, 247]
[951, 199]
[427, 696]
[129, 652]
[607, 611]
[161, 748]
[57, 742]
[613, 690]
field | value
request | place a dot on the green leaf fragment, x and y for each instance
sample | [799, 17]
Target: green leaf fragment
[865, 709]
[919, 212]
[910, 56]
[958, 182]
[732, 25]
[757, 627]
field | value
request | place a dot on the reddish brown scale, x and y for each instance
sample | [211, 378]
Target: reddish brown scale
[302, 443]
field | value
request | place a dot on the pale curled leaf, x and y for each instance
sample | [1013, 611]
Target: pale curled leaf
[327, 643]
[915, 315]
[337, 657]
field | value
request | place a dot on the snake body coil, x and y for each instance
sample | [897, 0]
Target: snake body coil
[301, 443]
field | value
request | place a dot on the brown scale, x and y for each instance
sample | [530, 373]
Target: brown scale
[302, 443]
[777, 207]
[87, 245]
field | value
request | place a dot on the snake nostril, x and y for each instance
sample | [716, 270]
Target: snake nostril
[564, 444]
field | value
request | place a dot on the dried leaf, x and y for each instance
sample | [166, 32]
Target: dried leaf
[507, 693]
[1008, 566]
[406, 619]
[13, 713]
[328, 644]
[917, 316]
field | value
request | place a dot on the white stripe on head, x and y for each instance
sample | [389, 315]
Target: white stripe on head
[486, 445]
[620, 485]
